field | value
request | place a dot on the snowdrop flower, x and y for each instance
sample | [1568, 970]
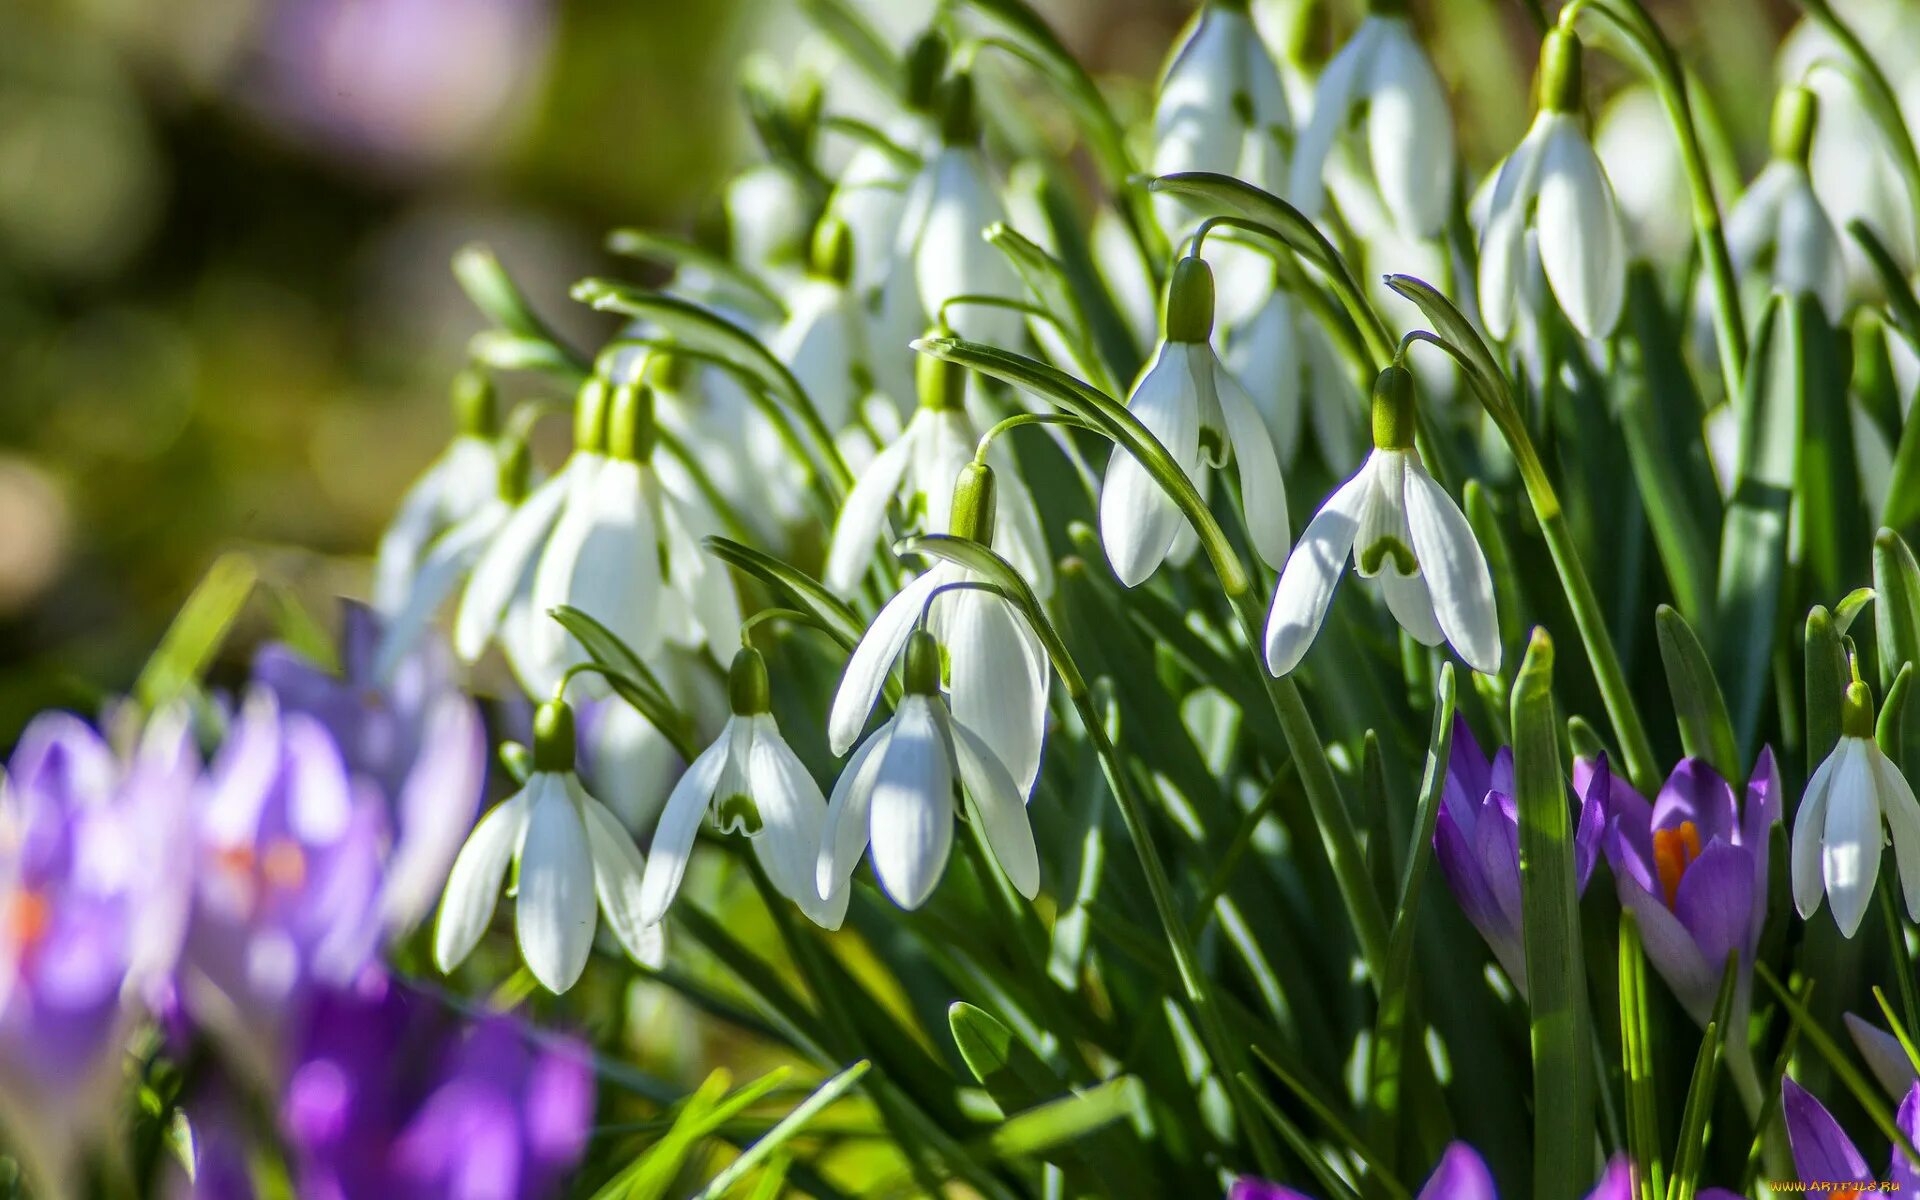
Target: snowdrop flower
[625, 551]
[567, 849]
[1635, 145]
[919, 470]
[1221, 108]
[997, 671]
[1553, 183]
[897, 792]
[1837, 832]
[823, 341]
[1402, 527]
[1383, 77]
[1282, 358]
[939, 250]
[747, 782]
[457, 484]
[1202, 416]
[1779, 224]
[498, 601]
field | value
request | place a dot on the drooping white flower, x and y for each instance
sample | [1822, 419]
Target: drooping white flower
[1553, 183]
[625, 550]
[1202, 416]
[1283, 360]
[997, 671]
[939, 249]
[455, 486]
[918, 470]
[748, 781]
[1635, 143]
[1401, 527]
[1837, 836]
[897, 794]
[1779, 225]
[766, 209]
[572, 856]
[823, 341]
[1383, 78]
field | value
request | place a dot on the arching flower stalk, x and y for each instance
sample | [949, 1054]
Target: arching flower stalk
[747, 782]
[1400, 527]
[567, 850]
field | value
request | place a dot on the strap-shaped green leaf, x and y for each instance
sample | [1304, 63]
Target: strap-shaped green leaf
[789, 1125]
[1698, 707]
[1896, 627]
[1556, 967]
[190, 643]
[746, 287]
[799, 588]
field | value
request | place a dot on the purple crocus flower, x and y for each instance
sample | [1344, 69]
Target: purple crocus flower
[1476, 840]
[1884, 1055]
[1462, 1175]
[1692, 868]
[88, 919]
[1822, 1152]
[287, 880]
[415, 736]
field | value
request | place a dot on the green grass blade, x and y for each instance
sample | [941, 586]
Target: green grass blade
[1691, 1149]
[198, 629]
[1698, 706]
[791, 1124]
[1636, 1047]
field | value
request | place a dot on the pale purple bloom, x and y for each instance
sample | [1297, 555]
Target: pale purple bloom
[287, 879]
[89, 918]
[1476, 840]
[1692, 868]
[414, 736]
[1462, 1174]
[1822, 1152]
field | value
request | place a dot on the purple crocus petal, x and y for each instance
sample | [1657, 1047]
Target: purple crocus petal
[1468, 776]
[1822, 1153]
[1884, 1055]
[1715, 902]
[1617, 1183]
[61, 759]
[1672, 950]
[1901, 1172]
[1717, 1194]
[1500, 777]
[1695, 792]
[360, 631]
[1631, 856]
[1763, 808]
[1461, 868]
[1461, 1175]
[1248, 1188]
[1497, 849]
[559, 1105]
[1591, 823]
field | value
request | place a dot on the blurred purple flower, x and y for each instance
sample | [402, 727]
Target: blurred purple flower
[416, 738]
[1884, 1055]
[1462, 1174]
[90, 914]
[287, 880]
[1692, 868]
[1476, 839]
[1822, 1152]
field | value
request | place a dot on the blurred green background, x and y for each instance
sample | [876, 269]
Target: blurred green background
[226, 319]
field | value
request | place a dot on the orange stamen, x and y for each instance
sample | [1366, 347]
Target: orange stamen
[28, 916]
[235, 860]
[1673, 851]
[285, 865]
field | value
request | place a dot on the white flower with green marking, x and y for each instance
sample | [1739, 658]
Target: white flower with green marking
[1838, 833]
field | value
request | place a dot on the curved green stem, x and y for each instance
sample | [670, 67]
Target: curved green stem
[1663, 69]
[1019, 419]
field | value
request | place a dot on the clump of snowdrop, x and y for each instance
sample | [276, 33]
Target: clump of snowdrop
[918, 471]
[747, 782]
[1400, 527]
[1779, 225]
[1553, 185]
[1203, 417]
[1382, 79]
[897, 794]
[567, 850]
[1837, 834]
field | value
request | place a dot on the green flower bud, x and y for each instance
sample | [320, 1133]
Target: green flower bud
[667, 371]
[553, 742]
[926, 62]
[973, 504]
[942, 385]
[1795, 113]
[833, 250]
[1856, 711]
[1393, 411]
[1190, 301]
[921, 676]
[476, 408]
[959, 121]
[747, 690]
[1560, 72]
[630, 429]
[516, 470]
[590, 415]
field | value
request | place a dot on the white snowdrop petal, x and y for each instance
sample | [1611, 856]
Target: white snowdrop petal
[911, 819]
[950, 258]
[679, 825]
[1138, 520]
[1808, 257]
[1903, 821]
[508, 558]
[1809, 830]
[1263, 494]
[556, 903]
[1264, 357]
[447, 562]
[999, 678]
[844, 837]
[1503, 241]
[630, 764]
[415, 522]
[1409, 132]
[473, 887]
[871, 660]
[1851, 843]
[1455, 569]
[1306, 583]
[1411, 605]
[1017, 534]
[863, 516]
[1755, 217]
[1333, 99]
[1001, 808]
[1582, 247]
[617, 873]
[793, 817]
